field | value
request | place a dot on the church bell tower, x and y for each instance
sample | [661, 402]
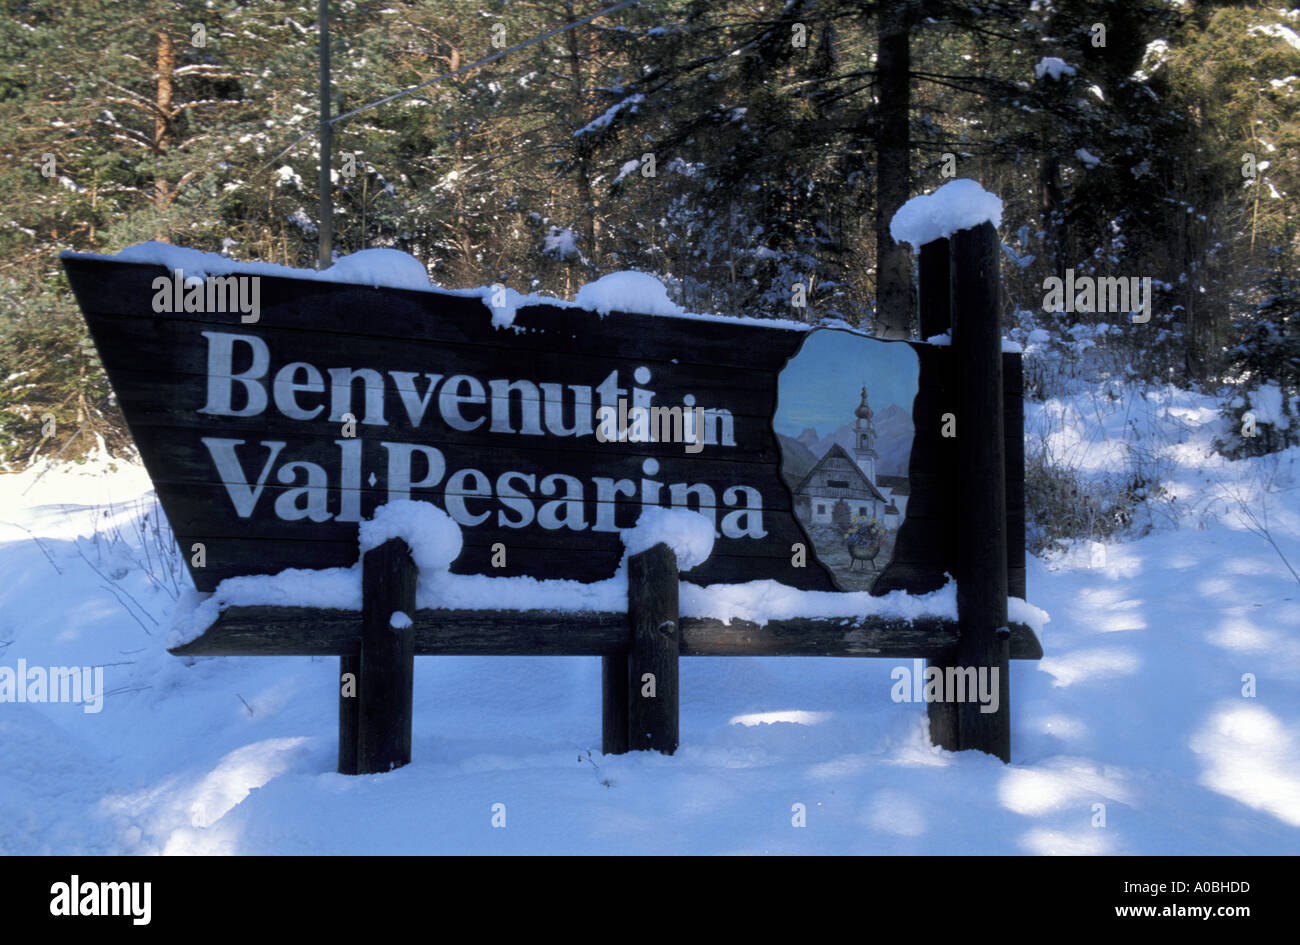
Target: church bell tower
[864, 433]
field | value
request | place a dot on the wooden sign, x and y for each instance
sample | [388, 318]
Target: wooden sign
[268, 442]
[826, 460]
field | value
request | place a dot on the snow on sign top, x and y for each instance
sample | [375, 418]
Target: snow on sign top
[627, 292]
[957, 205]
[633, 292]
[374, 267]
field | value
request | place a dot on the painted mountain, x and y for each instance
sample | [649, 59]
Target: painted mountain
[894, 432]
[797, 459]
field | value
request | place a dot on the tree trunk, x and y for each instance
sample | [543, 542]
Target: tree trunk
[325, 192]
[894, 297]
[1049, 201]
[467, 268]
[586, 197]
[162, 133]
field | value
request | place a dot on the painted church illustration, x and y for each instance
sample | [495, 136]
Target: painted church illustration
[840, 487]
[845, 463]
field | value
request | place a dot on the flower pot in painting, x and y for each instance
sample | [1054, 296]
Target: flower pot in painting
[863, 552]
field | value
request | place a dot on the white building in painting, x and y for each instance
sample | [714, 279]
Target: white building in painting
[841, 486]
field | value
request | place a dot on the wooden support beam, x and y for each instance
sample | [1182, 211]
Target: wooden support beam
[934, 280]
[981, 564]
[613, 703]
[349, 671]
[1013, 423]
[934, 299]
[887, 637]
[652, 678]
[387, 677]
[942, 715]
[308, 631]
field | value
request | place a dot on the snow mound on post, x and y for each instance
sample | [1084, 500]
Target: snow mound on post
[432, 534]
[627, 292]
[689, 534]
[957, 205]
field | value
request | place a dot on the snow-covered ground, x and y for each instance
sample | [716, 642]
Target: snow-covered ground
[1138, 705]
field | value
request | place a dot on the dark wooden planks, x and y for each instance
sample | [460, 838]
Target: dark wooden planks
[234, 557]
[268, 547]
[733, 365]
[175, 353]
[925, 547]
[112, 288]
[308, 631]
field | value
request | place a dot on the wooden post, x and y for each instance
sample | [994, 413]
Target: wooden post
[387, 676]
[349, 673]
[943, 716]
[934, 278]
[1013, 428]
[981, 552]
[651, 687]
[613, 699]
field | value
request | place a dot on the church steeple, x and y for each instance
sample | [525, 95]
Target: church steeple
[864, 438]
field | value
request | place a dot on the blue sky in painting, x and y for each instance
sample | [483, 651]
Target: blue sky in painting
[821, 385]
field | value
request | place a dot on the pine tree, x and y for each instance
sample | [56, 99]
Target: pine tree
[1266, 358]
